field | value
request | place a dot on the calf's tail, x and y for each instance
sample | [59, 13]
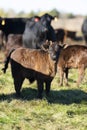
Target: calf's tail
[7, 62]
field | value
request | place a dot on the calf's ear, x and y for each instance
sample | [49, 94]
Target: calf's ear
[65, 45]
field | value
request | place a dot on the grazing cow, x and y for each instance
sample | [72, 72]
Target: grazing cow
[34, 35]
[84, 29]
[46, 20]
[74, 56]
[13, 41]
[34, 64]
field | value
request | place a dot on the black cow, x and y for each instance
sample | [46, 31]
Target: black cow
[34, 35]
[37, 32]
[12, 25]
[84, 29]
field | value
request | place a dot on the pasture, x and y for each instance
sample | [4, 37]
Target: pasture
[64, 109]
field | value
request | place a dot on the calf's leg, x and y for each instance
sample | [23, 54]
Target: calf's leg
[81, 75]
[61, 75]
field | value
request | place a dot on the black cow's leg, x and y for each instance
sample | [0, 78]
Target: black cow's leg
[18, 84]
[48, 84]
[40, 88]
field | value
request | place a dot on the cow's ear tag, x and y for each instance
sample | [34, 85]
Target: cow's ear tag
[3, 22]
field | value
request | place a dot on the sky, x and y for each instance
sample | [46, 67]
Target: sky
[67, 6]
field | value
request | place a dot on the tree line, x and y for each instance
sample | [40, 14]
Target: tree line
[53, 12]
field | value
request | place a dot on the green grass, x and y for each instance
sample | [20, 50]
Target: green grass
[64, 109]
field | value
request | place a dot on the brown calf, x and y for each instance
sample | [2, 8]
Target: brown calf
[34, 65]
[74, 56]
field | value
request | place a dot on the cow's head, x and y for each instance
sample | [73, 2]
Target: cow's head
[46, 19]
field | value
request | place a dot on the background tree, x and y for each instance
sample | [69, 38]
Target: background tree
[54, 12]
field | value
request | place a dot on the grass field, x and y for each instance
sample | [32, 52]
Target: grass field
[64, 109]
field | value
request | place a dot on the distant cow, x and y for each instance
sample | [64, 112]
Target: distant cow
[13, 41]
[34, 65]
[84, 29]
[74, 56]
[62, 35]
[46, 20]
[70, 34]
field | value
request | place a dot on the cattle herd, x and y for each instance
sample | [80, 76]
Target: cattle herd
[37, 51]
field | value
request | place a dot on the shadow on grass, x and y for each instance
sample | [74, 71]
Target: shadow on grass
[67, 96]
[55, 96]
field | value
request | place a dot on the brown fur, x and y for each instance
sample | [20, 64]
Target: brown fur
[33, 59]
